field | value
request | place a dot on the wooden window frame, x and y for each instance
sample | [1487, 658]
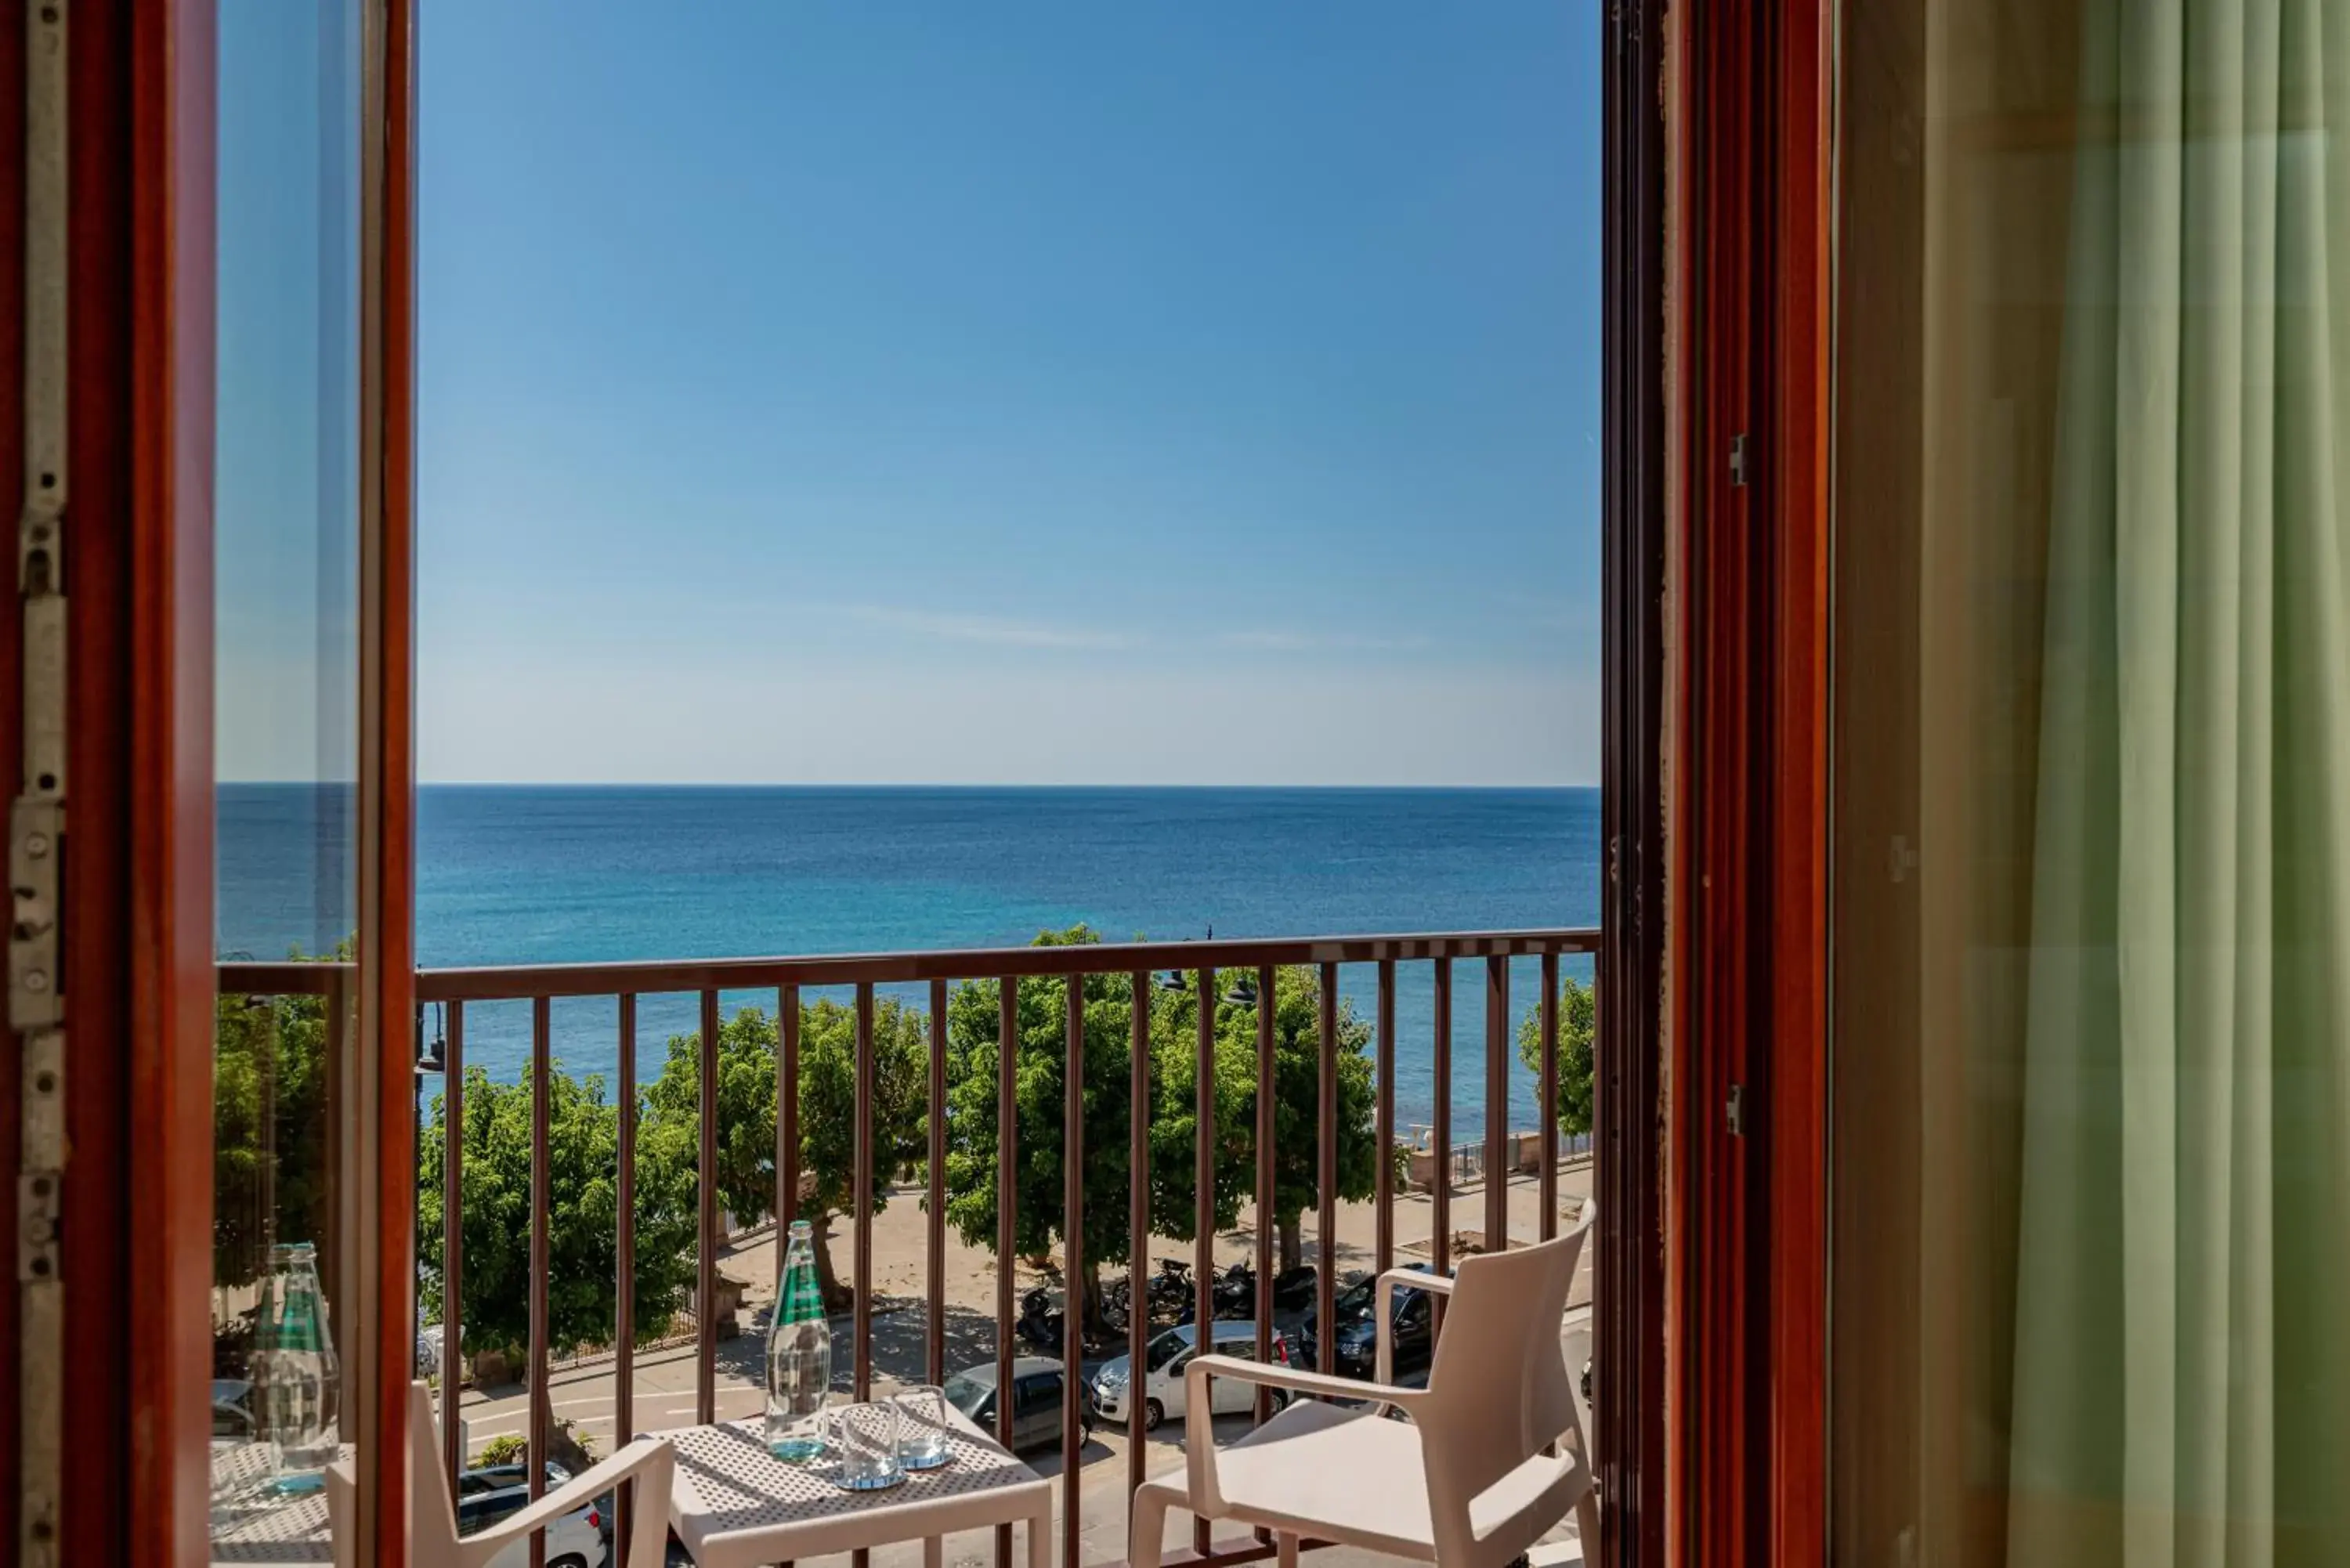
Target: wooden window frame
[1746, 1207]
[136, 909]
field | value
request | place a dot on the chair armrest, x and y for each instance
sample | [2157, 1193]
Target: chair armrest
[649, 1462]
[1389, 1284]
[342, 1512]
[1199, 1423]
[1413, 1280]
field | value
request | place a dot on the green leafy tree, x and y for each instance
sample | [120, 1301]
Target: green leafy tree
[1175, 1121]
[269, 1120]
[747, 1045]
[583, 1144]
[1039, 1076]
[1577, 1027]
[1296, 1101]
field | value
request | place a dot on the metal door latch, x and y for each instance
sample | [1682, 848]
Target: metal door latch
[38, 1214]
[1736, 1110]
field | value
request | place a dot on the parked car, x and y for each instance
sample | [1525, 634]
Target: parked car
[1359, 1343]
[487, 1495]
[1164, 1359]
[1036, 1401]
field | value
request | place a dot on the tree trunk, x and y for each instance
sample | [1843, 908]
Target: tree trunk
[1292, 1242]
[837, 1297]
[1089, 1288]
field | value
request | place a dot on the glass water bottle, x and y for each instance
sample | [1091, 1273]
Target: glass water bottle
[799, 1356]
[296, 1379]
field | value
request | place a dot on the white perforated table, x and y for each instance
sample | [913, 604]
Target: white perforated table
[253, 1524]
[737, 1506]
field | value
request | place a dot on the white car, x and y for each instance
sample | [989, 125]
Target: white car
[495, 1492]
[1164, 1359]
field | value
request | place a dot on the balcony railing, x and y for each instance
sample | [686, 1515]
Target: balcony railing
[1012, 969]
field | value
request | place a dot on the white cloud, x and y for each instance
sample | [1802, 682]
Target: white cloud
[991, 630]
[1318, 642]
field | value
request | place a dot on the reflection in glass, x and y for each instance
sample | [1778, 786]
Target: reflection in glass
[285, 510]
[295, 1373]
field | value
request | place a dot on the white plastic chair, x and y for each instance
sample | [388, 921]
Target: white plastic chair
[433, 1541]
[1492, 1456]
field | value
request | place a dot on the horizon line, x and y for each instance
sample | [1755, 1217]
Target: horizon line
[893, 785]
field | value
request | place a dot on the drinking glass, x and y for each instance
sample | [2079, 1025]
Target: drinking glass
[863, 1443]
[922, 1431]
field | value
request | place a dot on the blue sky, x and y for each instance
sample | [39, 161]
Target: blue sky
[1052, 393]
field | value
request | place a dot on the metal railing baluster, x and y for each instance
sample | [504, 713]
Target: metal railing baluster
[1203, 1191]
[860, 1321]
[934, 1340]
[1547, 1022]
[1497, 1104]
[1007, 1137]
[1267, 1181]
[541, 1212]
[1383, 1196]
[1440, 1166]
[624, 1313]
[1073, 1272]
[1137, 1221]
[706, 1299]
[1326, 1171]
[452, 1245]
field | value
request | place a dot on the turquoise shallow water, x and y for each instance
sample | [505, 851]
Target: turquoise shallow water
[515, 875]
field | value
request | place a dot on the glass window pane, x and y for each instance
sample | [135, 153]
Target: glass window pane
[287, 521]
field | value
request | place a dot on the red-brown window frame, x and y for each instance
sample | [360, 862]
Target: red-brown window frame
[1630, 1434]
[136, 896]
[1746, 1210]
[137, 902]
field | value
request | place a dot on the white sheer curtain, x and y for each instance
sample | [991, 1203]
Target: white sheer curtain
[2182, 1376]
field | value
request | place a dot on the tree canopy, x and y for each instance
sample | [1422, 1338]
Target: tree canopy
[1040, 1085]
[269, 1121]
[747, 1046]
[583, 1181]
[1577, 1026]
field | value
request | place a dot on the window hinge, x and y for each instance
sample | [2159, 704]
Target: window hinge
[36, 817]
[1738, 458]
[1735, 1110]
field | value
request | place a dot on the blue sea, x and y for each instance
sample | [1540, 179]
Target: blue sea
[546, 875]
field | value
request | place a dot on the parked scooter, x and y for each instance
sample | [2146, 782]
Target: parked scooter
[1040, 1323]
[1171, 1287]
[1293, 1290]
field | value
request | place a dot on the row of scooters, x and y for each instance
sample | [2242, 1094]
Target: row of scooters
[1171, 1298]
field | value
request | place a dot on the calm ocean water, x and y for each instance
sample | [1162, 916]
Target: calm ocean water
[533, 875]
